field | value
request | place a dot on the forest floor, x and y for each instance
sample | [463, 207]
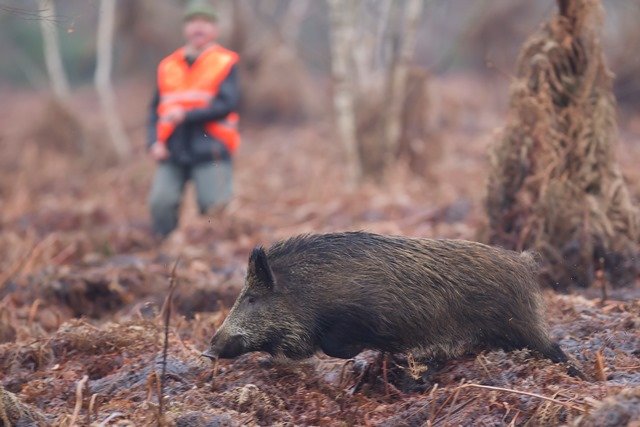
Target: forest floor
[82, 283]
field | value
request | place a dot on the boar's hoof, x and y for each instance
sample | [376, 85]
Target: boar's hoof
[576, 373]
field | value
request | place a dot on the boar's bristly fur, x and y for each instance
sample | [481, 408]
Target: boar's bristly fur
[345, 292]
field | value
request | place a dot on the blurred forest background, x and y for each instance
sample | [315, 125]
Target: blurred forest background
[429, 89]
[75, 240]
[464, 60]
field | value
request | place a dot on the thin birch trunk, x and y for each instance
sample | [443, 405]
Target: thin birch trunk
[381, 29]
[52, 56]
[342, 27]
[104, 60]
[398, 76]
[291, 22]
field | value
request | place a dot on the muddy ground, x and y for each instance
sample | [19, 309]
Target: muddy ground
[82, 283]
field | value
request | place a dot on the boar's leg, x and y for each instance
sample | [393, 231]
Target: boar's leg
[337, 341]
[532, 338]
[554, 353]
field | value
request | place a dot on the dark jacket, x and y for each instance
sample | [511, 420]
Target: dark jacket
[189, 144]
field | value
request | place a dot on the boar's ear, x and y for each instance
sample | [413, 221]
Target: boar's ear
[260, 269]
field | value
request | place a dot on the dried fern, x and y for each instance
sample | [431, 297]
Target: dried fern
[555, 185]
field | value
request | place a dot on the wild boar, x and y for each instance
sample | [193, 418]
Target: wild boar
[345, 292]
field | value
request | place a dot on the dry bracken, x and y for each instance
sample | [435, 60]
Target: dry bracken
[555, 185]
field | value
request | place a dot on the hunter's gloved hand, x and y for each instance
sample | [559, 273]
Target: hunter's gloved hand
[159, 151]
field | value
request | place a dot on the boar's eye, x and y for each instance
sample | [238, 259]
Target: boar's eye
[251, 300]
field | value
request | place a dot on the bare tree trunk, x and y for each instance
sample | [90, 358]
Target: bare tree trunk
[32, 72]
[292, 20]
[104, 60]
[238, 34]
[53, 58]
[381, 28]
[369, 45]
[397, 79]
[60, 103]
[342, 26]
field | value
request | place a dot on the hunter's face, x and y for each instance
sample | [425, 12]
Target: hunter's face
[200, 32]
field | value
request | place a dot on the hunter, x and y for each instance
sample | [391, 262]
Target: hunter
[193, 125]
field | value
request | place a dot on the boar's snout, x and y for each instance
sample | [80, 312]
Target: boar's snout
[225, 346]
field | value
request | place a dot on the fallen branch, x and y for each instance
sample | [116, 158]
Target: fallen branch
[525, 393]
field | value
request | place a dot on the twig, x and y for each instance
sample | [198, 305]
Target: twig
[173, 283]
[64, 254]
[33, 311]
[152, 379]
[483, 365]
[526, 393]
[435, 414]
[17, 266]
[110, 418]
[215, 368]
[457, 409]
[432, 393]
[600, 278]
[628, 368]
[37, 251]
[600, 374]
[513, 420]
[342, 372]
[92, 406]
[453, 402]
[149, 385]
[385, 376]
[415, 369]
[79, 390]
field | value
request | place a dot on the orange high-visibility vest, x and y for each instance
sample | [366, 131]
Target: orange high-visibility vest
[195, 86]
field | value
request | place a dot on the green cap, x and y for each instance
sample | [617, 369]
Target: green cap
[200, 8]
